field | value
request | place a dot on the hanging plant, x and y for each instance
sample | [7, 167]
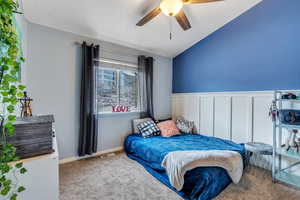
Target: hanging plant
[10, 91]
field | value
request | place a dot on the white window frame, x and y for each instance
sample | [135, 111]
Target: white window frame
[123, 66]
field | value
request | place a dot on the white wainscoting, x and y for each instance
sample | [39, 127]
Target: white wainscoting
[237, 116]
[207, 114]
[222, 117]
[241, 119]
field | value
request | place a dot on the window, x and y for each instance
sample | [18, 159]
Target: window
[116, 88]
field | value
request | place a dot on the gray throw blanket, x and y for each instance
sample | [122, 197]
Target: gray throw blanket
[177, 163]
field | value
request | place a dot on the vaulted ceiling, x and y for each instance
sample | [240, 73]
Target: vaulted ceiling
[114, 21]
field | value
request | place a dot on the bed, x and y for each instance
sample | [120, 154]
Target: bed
[201, 183]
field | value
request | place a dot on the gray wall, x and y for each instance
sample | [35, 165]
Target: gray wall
[53, 80]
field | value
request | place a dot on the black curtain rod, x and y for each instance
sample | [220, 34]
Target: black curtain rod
[113, 52]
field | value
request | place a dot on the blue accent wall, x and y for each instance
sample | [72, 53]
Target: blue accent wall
[259, 50]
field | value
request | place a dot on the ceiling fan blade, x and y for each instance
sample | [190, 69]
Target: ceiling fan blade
[183, 20]
[199, 1]
[149, 16]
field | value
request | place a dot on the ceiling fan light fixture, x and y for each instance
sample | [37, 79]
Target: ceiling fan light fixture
[171, 7]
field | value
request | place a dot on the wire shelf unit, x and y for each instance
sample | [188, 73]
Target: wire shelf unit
[280, 173]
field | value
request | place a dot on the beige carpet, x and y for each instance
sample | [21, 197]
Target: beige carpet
[117, 177]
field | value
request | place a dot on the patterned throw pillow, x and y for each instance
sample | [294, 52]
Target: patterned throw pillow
[135, 122]
[168, 128]
[148, 129]
[185, 126]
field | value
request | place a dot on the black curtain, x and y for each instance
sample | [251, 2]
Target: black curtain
[88, 117]
[145, 74]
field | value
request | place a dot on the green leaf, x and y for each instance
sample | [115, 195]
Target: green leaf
[5, 190]
[21, 87]
[10, 108]
[9, 78]
[8, 125]
[13, 197]
[5, 67]
[10, 132]
[13, 87]
[5, 87]
[5, 169]
[19, 165]
[13, 100]
[21, 189]
[2, 179]
[12, 117]
[6, 100]
[12, 91]
[20, 94]
[23, 170]
[6, 183]
[9, 128]
[13, 72]
[5, 93]
[16, 158]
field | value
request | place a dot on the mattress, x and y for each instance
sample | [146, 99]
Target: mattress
[202, 183]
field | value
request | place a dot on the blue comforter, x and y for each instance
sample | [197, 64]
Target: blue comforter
[202, 183]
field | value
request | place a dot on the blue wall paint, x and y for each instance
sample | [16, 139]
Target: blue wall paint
[260, 50]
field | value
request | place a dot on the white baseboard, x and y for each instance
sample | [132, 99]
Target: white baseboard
[75, 158]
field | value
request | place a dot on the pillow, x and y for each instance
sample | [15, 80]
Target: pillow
[185, 126]
[168, 128]
[148, 129]
[135, 122]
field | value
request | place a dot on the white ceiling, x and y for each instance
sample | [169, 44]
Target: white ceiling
[114, 21]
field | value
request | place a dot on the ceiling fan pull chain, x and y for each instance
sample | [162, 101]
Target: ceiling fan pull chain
[170, 26]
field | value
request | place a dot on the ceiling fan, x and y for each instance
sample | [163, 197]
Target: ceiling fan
[173, 8]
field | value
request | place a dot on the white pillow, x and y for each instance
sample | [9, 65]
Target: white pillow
[184, 125]
[135, 122]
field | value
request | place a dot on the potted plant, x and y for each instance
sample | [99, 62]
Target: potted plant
[10, 91]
